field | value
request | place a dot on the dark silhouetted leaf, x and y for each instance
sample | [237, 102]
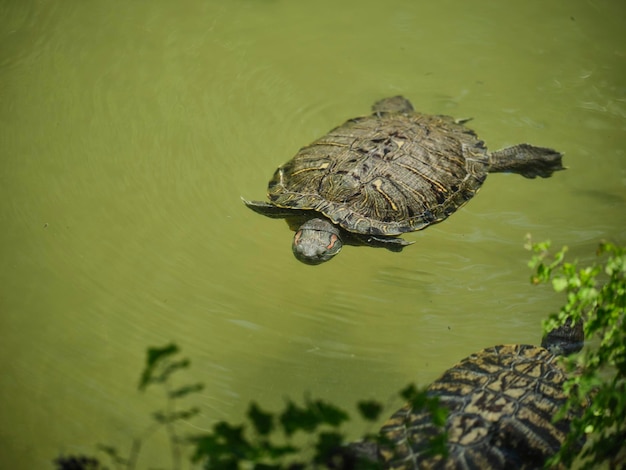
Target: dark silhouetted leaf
[153, 358]
[263, 422]
[328, 413]
[409, 392]
[186, 390]
[295, 418]
[168, 369]
[328, 444]
[165, 418]
[370, 410]
[77, 462]
[113, 454]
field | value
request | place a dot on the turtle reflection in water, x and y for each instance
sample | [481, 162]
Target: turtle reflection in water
[378, 176]
[501, 404]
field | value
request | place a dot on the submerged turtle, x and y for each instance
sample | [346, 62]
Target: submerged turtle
[501, 403]
[378, 176]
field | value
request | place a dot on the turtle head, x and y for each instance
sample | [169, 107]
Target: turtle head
[565, 339]
[316, 241]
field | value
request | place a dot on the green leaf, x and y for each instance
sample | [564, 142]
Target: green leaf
[439, 413]
[438, 445]
[601, 366]
[559, 284]
[418, 398]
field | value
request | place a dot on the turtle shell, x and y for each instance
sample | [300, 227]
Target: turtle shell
[501, 403]
[385, 174]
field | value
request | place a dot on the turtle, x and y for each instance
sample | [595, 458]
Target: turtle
[501, 402]
[376, 177]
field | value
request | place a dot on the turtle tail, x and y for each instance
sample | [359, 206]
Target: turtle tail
[526, 160]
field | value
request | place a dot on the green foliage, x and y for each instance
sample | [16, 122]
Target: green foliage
[419, 399]
[229, 446]
[300, 436]
[161, 364]
[596, 294]
[268, 440]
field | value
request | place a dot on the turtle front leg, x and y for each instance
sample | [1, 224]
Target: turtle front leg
[394, 244]
[268, 210]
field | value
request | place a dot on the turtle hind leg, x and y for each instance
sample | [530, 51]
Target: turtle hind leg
[526, 160]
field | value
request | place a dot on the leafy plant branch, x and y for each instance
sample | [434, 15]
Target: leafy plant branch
[596, 295]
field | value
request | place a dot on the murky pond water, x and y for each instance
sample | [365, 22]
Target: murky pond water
[131, 129]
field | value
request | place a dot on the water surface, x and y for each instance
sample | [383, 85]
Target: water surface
[129, 131]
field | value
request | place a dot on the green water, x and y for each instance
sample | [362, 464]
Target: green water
[129, 131]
